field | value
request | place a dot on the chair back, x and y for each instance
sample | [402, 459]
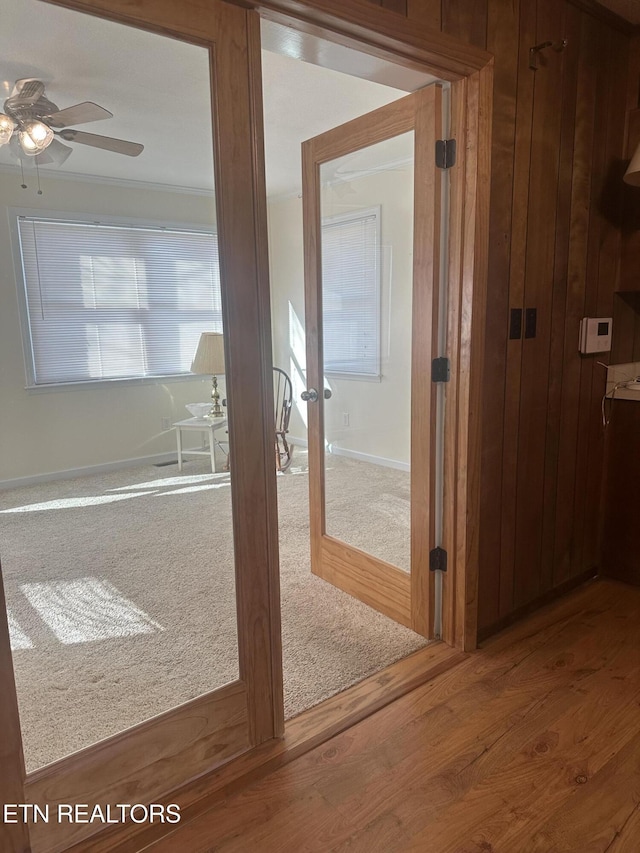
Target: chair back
[282, 400]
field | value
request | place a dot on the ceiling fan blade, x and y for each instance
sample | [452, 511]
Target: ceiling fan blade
[109, 143]
[78, 114]
[27, 91]
[55, 153]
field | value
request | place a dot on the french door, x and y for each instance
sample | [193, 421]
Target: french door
[372, 221]
[149, 759]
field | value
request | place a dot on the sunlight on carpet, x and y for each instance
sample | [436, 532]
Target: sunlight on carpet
[122, 606]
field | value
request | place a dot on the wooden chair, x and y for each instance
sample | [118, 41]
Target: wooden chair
[282, 400]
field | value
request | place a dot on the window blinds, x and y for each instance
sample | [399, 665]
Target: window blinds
[111, 301]
[351, 293]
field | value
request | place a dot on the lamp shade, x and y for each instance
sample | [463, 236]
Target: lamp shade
[209, 357]
[632, 175]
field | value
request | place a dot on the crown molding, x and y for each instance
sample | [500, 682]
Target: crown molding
[114, 182]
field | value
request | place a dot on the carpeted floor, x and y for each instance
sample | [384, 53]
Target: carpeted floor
[121, 595]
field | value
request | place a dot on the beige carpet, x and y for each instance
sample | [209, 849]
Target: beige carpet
[121, 596]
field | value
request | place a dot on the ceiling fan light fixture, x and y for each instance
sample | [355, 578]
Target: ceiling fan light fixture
[35, 136]
[7, 126]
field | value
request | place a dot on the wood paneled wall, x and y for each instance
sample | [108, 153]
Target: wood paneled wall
[621, 505]
[555, 240]
[621, 546]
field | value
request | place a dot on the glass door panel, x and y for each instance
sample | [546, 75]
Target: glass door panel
[118, 567]
[367, 276]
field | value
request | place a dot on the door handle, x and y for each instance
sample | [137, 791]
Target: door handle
[311, 396]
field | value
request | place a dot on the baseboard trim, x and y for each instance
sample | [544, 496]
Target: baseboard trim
[105, 467]
[299, 442]
[368, 457]
[356, 454]
[302, 734]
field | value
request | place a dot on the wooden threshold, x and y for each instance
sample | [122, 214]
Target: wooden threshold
[302, 734]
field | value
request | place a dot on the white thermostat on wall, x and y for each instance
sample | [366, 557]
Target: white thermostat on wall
[595, 334]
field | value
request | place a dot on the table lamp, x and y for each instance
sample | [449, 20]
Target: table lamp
[209, 359]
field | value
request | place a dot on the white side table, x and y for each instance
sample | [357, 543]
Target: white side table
[207, 427]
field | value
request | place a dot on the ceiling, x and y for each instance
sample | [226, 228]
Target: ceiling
[629, 9]
[158, 91]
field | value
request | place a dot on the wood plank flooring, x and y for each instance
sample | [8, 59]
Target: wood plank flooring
[530, 745]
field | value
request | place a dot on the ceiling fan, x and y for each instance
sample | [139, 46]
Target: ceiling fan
[33, 126]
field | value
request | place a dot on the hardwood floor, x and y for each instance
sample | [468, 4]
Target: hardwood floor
[530, 745]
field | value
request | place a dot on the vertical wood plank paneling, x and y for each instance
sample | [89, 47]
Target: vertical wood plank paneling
[608, 203]
[543, 182]
[517, 266]
[575, 301]
[621, 558]
[399, 6]
[503, 23]
[633, 74]
[466, 20]
[626, 323]
[626, 317]
[559, 340]
[555, 237]
[595, 236]
[427, 12]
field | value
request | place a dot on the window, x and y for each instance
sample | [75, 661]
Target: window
[351, 293]
[107, 301]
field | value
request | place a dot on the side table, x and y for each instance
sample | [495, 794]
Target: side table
[208, 428]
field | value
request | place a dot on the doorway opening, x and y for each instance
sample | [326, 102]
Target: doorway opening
[335, 633]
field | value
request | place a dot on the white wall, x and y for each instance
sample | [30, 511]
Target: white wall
[44, 431]
[47, 431]
[379, 412]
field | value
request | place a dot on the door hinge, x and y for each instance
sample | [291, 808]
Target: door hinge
[440, 369]
[445, 153]
[438, 560]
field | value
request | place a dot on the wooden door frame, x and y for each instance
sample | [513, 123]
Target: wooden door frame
[369, 29]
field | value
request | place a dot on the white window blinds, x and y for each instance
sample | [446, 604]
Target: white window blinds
[111, 301]
[351, 293]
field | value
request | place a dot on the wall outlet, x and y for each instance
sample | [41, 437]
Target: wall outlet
[345, 419]
[166, 423]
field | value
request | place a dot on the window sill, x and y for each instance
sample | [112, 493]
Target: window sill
[86, 384]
